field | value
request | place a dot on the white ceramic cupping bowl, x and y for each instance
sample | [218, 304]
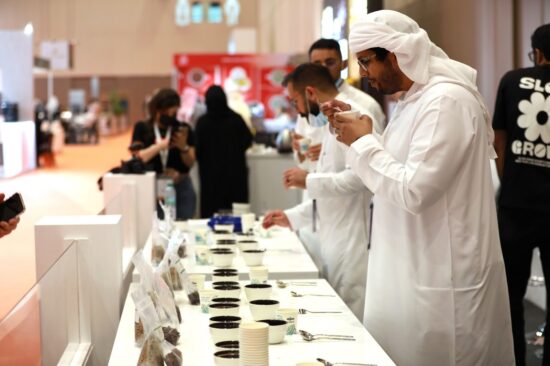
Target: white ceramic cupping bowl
[263, 309]
[223, 259]
[277, 330]
[253, 257]
[224, 332]
[223, 309]
[257, 291]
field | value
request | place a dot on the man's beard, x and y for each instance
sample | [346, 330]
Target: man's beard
[313, 109]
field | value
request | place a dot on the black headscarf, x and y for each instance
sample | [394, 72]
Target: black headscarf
[216, 100]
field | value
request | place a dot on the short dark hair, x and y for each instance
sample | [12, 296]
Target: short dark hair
[162, 100]
[310, 74]
[325, 44]
[541, 40]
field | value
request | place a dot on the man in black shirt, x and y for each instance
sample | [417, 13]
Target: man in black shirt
[169, 148]
[522, 140]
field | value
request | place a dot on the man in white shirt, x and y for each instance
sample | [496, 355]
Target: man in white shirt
[437, 293]
[338, 204]
[326, 52]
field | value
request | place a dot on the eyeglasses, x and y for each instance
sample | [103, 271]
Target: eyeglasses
[329, 62]
[531, 56]
[364, 61]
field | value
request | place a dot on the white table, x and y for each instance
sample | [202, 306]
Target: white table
[285, 258]
[197, 348]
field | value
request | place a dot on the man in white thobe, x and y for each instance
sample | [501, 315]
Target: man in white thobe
[437, 290]
[341, 210]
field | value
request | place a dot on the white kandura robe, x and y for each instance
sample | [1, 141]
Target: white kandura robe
[343, 214]
[436, 293]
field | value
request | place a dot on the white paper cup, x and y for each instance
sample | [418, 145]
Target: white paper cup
[304, 144]
[258, 274]
[291, 317]
[198, 280]
[205, 298]
[247, 222]
[353, 114]
[202, 254]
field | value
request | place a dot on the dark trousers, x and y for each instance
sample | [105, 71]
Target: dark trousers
[521, 231]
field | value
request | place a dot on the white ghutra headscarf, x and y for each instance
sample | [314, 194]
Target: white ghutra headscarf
[417, 56]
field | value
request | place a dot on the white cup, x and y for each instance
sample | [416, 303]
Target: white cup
[198, 280]
[224, 332]
[253, 257]
[353, 114]
[258, 274]
[226, 228]
[263, 309]
[257, 291]
[304, 143]
[227, 358]
[277, 330]
[247, 222]
[291, 317]
[223, 259]
[205, 297]
[202, 254]
[223, 309]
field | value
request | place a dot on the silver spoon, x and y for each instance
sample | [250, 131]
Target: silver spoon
[326, 363]
[307, 336]
[304, 311]
[282, 284]
[295, 294]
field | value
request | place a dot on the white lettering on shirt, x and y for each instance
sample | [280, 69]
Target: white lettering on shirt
[534, 84]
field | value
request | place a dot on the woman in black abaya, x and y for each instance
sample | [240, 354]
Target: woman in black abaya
[222, 141]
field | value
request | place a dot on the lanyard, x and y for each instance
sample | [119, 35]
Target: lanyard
[164, 152]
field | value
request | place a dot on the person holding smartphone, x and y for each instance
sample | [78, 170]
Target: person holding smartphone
[168, 148]
[9, 225]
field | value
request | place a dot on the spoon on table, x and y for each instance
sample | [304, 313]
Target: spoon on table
[282, 284]
[304, 311]
[326, 363]
[295, 294]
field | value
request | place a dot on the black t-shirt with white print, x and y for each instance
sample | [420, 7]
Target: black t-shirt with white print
[523, 110]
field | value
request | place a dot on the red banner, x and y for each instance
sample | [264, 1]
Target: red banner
[256, 77]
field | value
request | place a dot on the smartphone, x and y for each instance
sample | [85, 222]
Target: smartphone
[12, 207]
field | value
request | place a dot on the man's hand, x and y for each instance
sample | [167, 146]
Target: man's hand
[162, 143]
[296, 137]
[333, 106]
[295, 177]
[7, 227]
[277, 217]
[349, 129]
[313, 152]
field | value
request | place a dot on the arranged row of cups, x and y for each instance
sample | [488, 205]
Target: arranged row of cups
[223, 257]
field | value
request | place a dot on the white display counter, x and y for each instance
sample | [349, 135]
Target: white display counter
[17, 148]
[197, 348]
